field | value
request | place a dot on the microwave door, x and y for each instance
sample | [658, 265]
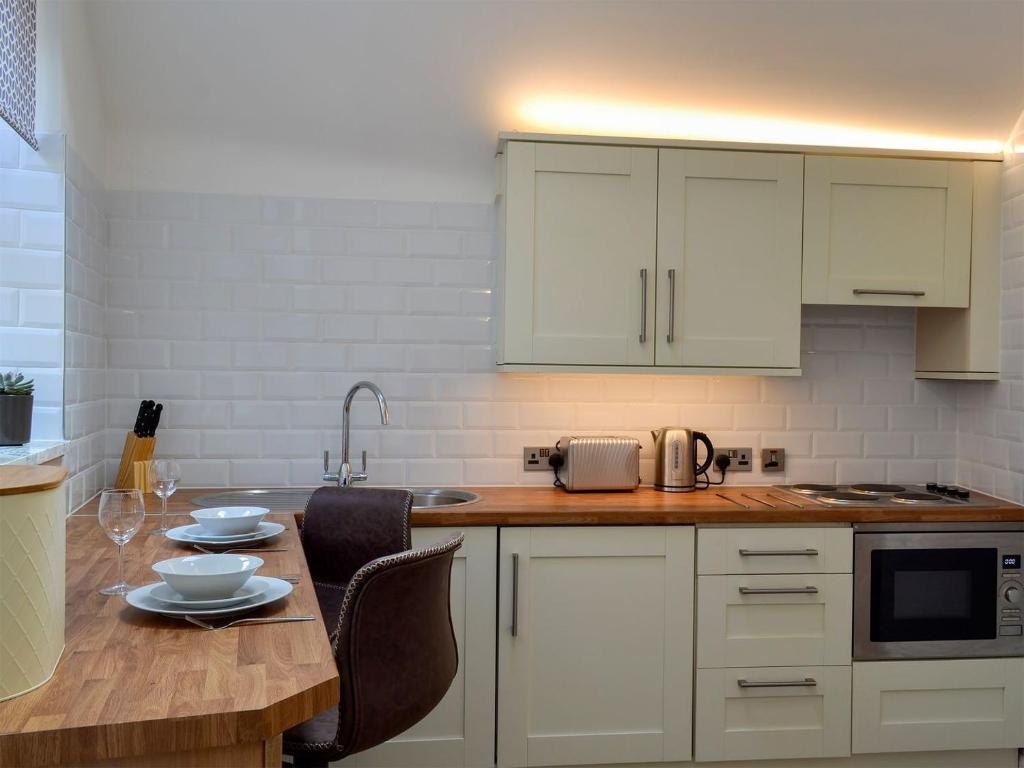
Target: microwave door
[927, 596]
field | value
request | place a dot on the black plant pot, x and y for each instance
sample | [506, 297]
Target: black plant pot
[15, 419]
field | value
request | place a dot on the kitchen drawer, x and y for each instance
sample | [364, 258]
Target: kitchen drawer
[908, 706]
[774, 550]
[742, 621]
[734, 722]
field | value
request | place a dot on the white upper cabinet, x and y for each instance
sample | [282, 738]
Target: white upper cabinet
[887, 232]
[729, 259]
[674, 259]
[580, 234]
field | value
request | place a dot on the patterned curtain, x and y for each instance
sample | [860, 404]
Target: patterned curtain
[18, 67]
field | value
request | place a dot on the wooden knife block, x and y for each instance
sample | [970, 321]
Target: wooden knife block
[135, 449]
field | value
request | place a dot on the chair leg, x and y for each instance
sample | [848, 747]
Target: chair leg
[307, 761]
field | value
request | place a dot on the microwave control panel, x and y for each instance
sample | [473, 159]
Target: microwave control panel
[1011, 593]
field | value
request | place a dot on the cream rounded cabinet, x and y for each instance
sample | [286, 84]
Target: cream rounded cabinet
[32, 552]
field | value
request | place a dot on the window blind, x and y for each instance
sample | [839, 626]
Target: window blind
[18, 67]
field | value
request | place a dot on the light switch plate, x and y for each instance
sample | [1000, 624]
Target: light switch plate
[740, 459]
[773, 459]
[535, 458]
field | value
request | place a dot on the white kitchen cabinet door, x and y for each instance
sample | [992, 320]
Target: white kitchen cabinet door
[777, 712]
[774, 621]
[887, 231]
[460, 730]
[729, 259]
[918, 706]
[595, 645]
[580, 244]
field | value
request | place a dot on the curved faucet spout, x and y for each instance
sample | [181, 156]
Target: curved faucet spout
[345, 475]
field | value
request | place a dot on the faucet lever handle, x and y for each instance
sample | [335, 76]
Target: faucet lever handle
[364, 462]
[327, 462]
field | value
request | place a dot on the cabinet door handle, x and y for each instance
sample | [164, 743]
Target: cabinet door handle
[778, 590]
[778, 552]
[515, 595]
[643, 306]
[671, 306]
[885, 292]
[807, 682]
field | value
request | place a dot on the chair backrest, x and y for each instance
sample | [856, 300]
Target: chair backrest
[345, 528]
[395, 644]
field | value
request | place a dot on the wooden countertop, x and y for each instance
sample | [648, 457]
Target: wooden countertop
[132, 684]
[732, 504]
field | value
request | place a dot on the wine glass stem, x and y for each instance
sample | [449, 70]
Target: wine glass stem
[163, 513]
[120, 565]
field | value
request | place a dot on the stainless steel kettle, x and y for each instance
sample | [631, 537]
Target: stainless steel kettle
[675, 458]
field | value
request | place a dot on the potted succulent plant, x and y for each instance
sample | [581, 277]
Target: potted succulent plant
[15, 409]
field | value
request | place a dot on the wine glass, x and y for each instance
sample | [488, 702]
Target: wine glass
[164, 476]
[121, 515]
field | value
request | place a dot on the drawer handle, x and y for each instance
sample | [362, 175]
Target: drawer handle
[778, 590]
[778, 552]
[807, 682]
[885, 292]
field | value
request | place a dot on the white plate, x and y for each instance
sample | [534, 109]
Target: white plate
[189, 534]
[163, 593]
[196, 530]
[273, 590]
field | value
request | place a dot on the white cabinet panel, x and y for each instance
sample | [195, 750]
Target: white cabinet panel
[906, 706]
[729, 247]
[801, 712]
[459, 733]
[598, 667]
[747, 621]
[898, 229]
[774, 550]
[580, 231]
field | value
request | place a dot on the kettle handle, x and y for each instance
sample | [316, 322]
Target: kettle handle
[701, 437]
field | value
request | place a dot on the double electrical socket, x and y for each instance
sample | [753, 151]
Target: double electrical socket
[739, 458]
[535, 458]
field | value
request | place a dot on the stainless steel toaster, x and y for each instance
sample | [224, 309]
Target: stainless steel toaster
[600, 463]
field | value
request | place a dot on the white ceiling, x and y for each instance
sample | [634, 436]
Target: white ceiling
[395, 99]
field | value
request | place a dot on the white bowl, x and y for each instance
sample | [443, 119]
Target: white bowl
[207, 577]
[230, 521]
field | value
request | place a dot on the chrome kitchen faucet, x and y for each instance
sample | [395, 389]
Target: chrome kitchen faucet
[344, 477]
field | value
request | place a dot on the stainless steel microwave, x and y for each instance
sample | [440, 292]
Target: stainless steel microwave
[938, 591]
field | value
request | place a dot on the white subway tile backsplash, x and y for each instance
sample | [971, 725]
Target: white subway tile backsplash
[260, 313]
[349, 213]
[26, 268]
[262, 239]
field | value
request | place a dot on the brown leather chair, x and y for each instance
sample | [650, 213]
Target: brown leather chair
[391, 633]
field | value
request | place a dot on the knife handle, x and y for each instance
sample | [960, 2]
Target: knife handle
[154, 420]
[138, 418]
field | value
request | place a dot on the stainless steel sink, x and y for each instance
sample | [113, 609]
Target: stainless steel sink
[296, 498]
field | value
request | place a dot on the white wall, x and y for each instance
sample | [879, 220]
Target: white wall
[990, 446]
[250, 318]
[32, 271]
[69, 98]
[85, 345]
[404, 100]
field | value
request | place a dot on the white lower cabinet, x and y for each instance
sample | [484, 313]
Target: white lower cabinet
[774, 620]
[459, 733]
[772, 712]
[906, 706]
[595, 645]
